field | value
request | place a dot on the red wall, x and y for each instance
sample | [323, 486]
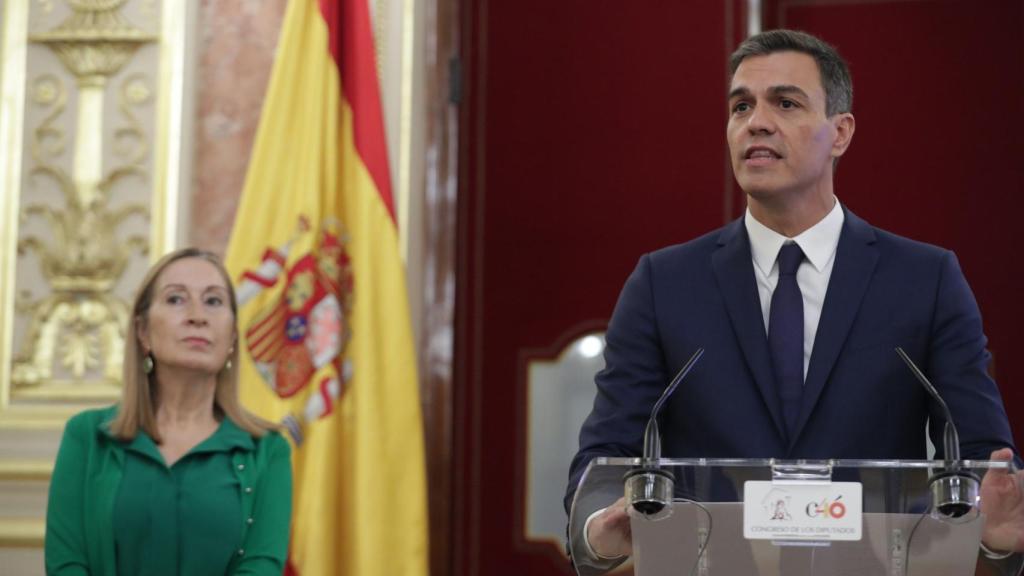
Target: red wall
[593, 131]
[937, 155]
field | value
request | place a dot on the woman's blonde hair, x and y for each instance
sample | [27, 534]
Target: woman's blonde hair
[137, 408]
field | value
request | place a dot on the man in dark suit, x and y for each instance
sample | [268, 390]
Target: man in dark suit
[799, 306]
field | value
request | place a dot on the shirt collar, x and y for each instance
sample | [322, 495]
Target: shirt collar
[817, 242]
[227, 436]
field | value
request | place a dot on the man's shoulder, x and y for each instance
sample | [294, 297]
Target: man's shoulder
[699, 247]
[901, 247]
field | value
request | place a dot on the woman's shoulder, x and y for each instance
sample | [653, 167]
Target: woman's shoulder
[273, 442]
[268, 452]
[259, 439]
[91, 419]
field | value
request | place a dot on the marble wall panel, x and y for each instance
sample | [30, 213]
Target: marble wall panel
[236, 54]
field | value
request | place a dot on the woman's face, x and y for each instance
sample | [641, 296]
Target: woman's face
[190, 325]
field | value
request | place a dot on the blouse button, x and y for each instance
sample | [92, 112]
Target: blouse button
[241, 552]
[241, 467]
[249, 521]
[248, 489]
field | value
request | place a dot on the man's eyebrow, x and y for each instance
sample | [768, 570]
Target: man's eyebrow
[739, 91]
[774, 90]
[788, 89]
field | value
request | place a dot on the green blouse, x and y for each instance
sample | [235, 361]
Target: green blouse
[116, 508]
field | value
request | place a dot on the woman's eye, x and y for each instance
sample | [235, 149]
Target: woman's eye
[214, 301]
[175, 299]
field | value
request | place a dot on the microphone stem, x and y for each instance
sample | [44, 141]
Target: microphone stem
[652, 443]
[652, 438]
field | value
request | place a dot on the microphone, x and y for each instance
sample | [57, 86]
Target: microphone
[954, 490]
[649, 489]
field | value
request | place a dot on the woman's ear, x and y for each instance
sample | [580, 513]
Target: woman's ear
[142, 333]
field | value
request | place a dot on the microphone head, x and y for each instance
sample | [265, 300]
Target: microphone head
[955, 495]
[649, 491]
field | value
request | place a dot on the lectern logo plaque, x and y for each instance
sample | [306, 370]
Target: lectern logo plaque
[799, 511]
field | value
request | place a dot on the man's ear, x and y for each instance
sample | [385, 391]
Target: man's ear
[845, 124]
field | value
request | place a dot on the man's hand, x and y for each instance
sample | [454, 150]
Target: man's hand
[609, 533]
[1002, 503]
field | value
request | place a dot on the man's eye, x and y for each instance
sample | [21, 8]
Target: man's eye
[787, 104]
[740, 107]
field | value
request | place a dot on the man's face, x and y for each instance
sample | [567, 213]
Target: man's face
[780, 140]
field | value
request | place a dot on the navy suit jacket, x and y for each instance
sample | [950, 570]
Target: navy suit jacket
[860, 400]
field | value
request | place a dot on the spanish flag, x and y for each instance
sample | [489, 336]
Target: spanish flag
[323, 315]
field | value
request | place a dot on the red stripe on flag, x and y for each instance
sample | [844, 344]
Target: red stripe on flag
[267, 351]
[263, 350]
[326, 396]
[265, 282]
[273, 255]
[259, 343]
[351, 45]
[259, 328]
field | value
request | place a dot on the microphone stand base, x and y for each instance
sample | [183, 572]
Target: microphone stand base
[649, 491]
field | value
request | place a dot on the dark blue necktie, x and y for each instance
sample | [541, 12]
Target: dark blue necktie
[786, 335]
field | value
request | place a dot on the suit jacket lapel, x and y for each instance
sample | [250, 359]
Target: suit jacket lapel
[854, 265]
[734, 272]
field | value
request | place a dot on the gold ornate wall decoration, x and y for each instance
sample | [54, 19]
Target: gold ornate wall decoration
[95, 41]
[46, 5]
[149, 10]
[75, 338]
[48, 140]
[130, 138]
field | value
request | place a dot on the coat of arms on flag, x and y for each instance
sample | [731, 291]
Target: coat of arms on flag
[301, 335]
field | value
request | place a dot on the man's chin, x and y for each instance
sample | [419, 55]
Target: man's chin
[761, 190]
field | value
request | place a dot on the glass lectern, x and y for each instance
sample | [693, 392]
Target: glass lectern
[789, 518]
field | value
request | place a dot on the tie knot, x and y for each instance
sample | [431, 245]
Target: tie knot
[790, 257]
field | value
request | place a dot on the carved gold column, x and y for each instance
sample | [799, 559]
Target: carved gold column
[95, 108]
[78, 327]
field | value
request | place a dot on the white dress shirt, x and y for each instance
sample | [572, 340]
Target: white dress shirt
[819, 244]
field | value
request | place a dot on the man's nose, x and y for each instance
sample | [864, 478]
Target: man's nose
[760, 120]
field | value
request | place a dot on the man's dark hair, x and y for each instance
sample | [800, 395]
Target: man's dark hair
[835, 75]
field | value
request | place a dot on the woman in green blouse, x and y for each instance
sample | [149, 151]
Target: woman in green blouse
[177, 479]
